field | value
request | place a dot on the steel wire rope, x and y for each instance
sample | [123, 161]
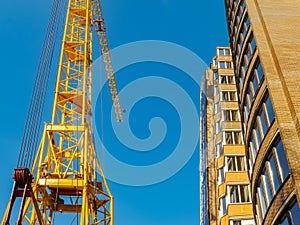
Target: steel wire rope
[38, 98]
[34, 115]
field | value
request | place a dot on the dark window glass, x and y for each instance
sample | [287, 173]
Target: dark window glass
[274, 173]
[223, 202]
[247, 22]
[285, 221]
[234, 194]
[282, 160]
[263, 121]
[237, 222]
[244, 193]
[270, 109]
[262, 201]
[240, 163]
[222, 65]
[253, 44]
[254, 85]
[258, 137]
[268, 186]
[243, 6]
[295, 214]
[260, 72]
[228, 138]
[253, 149]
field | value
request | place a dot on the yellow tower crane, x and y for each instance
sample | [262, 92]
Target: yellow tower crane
[60, 175]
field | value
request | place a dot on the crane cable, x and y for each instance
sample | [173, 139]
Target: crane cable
[34, 116]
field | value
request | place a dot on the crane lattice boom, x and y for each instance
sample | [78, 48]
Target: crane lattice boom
[63, 177]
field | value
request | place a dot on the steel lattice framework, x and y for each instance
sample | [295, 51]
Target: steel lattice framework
[63, 177]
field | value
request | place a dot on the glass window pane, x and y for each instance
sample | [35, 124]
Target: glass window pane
[285, 221]
[222, 65]
[267, 190]
[231, 164]
[263, 121]
[257, 134]
[253, 45]
[282, 160]
[244, 193]
[224, 207]
[274, 173]
[237, 137]
[270, 110]
[240, 163]
[228, 138]
[295, 214]
[260, 72]
[234, 195]
[263, 206]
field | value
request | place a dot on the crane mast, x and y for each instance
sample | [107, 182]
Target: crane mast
[66, 176]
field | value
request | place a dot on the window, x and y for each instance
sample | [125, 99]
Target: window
[292, 216]
[223, 206]
[270, 110]
[225, 65]
[236, 163]
[282, 161]
[224, 51]
[217, 107]
[216, 90]
[272, 176]
[265, 187]
[228, 96]
[239, 193]
[261, 203]
[230, 115]
[273, 173]
[221, 175]
[233, 137]
[226, 80]
[240, 222]
[219, 149]
[218, 127]
[215, 75]
[252, 44]
[264, 119]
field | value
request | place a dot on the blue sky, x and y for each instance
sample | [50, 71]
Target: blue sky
[196, 25]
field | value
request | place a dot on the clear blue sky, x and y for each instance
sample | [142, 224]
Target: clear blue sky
[197, 25]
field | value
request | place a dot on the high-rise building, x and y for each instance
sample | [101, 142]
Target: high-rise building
[227, 177]
[264, 38]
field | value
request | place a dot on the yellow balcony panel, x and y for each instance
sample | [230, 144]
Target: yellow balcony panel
[222, 189]
[227, 87]
[220, 162]
[236, 177]
[224, 220]
[226, 71]
[240, 210]
[227, 58]
[234, 149]
[231, 125]
[229, 105]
